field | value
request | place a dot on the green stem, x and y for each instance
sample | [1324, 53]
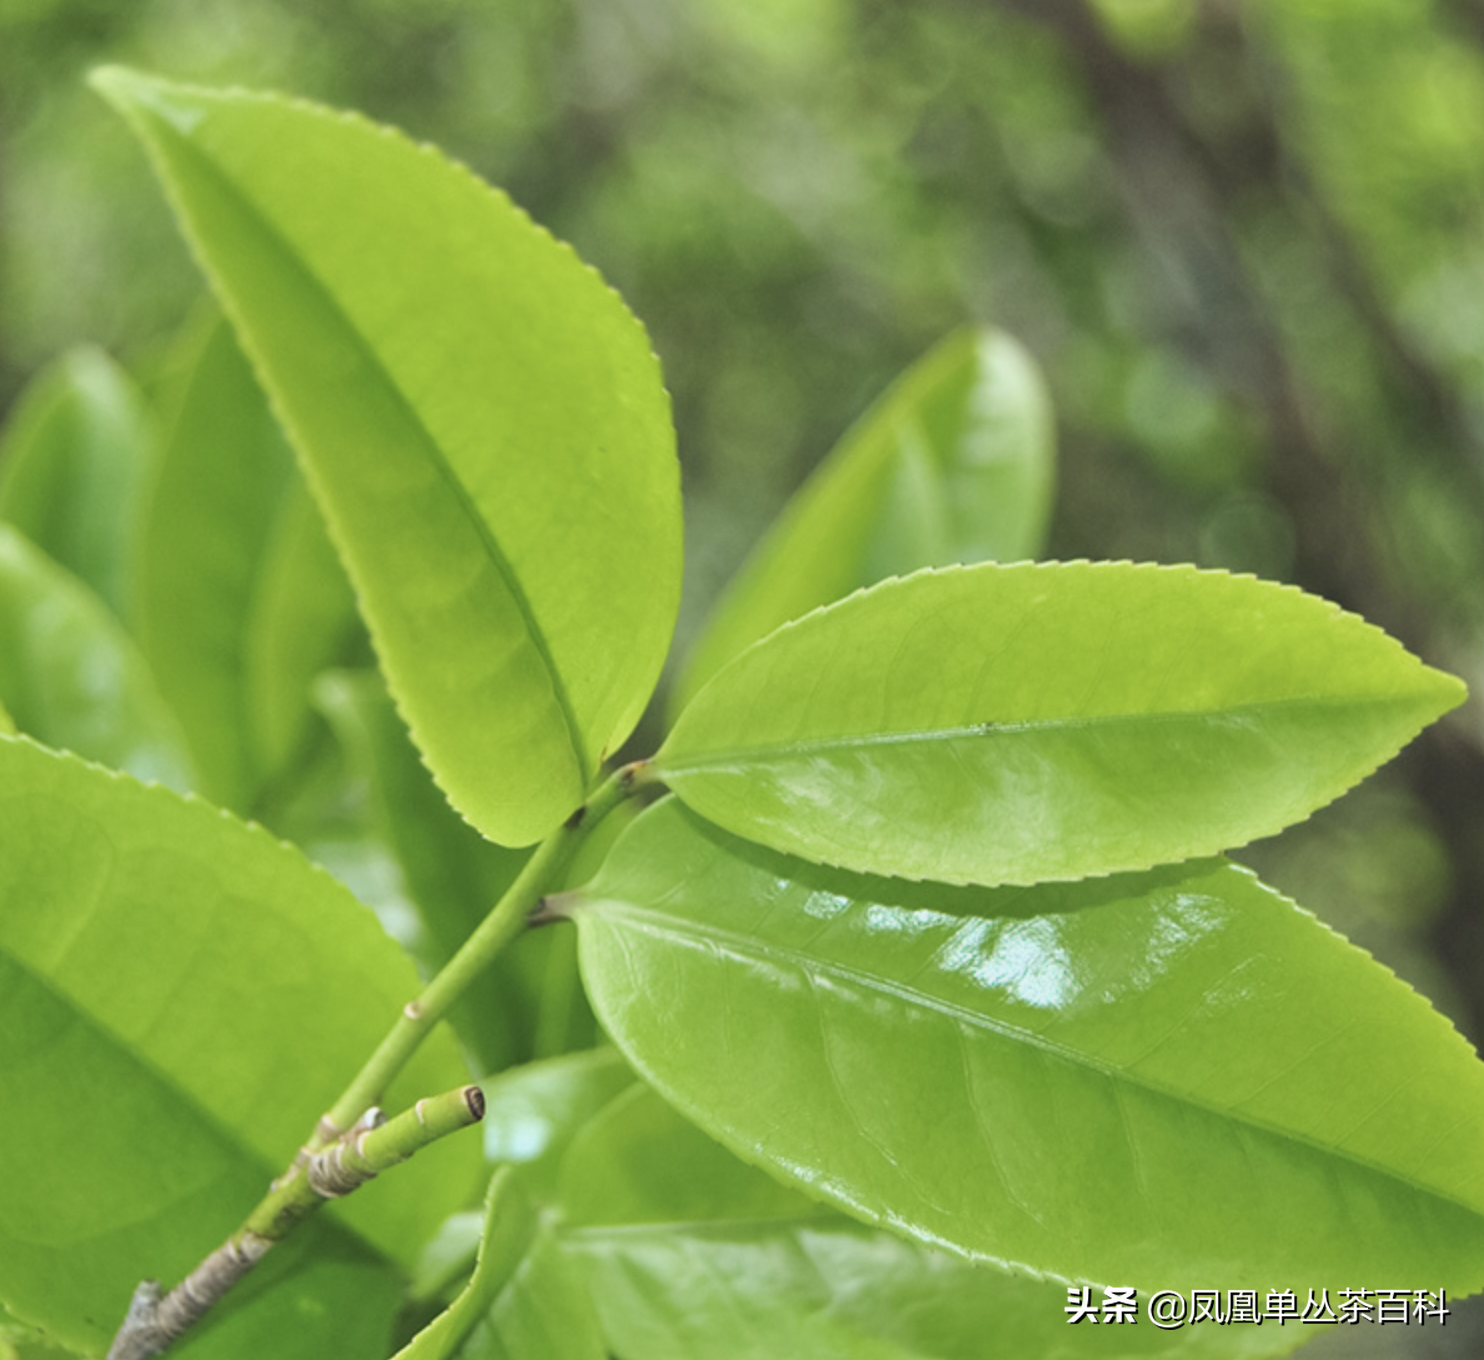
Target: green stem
[359, 1144]
[476, 954]
[157, 1319]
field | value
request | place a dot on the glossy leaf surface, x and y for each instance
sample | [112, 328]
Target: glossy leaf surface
[181, 996]
[241, 599]
[73, 466]
[1014, 724]
[480, 417]
[693, 1255]
[953, 464]
[1170, 1078]
[73, 679]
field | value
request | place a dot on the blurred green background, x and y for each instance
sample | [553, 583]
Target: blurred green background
[1245, 241]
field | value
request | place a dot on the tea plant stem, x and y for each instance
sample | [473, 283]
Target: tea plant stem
[352, 1142]
[476, 954]
[156, 1319]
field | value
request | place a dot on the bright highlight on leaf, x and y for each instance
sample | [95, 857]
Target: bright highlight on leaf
[1013, 724]
[1163, 1078]
[481, 419]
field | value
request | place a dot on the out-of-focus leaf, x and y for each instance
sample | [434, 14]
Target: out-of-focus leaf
[322, 1293]
[19, 1342]
[480, 417]
[692, 1255]
[953, 464]
[509, 1227]
[181, 996]
[544, 1311]
[523, 1298]
[449, 874]
[241, 600]
[535, 1111]
[73, 467]
[1012, 724]
[73, 679]
[1163, 1078]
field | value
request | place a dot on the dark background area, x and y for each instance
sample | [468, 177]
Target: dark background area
[1245, 241]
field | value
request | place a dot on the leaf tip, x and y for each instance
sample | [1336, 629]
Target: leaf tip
[132, 92]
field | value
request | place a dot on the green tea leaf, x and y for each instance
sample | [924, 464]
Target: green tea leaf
[693, 1255]
[72, 677]
[544, 1311]
[533, 1112]
[241, 599]
[1015, 724]
[448, 875]
[180, 996]
[522, 1299]
[73, 466]
[1169, 1078]
[124, 1178]
[481, 419]
[953, 464]
[509, 1227]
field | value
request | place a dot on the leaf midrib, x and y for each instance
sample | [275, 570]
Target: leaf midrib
[659, 924]
[283, 246]
[802, 748]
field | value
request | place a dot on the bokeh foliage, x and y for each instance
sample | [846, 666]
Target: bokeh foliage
[1246, 241]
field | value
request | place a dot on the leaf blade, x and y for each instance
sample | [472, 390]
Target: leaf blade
[215, 987]
[1169, 1077]
[76, 458]
[1017, 724]
[225, 520]
[750, 1268]
[74, 679]
[506, 497]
